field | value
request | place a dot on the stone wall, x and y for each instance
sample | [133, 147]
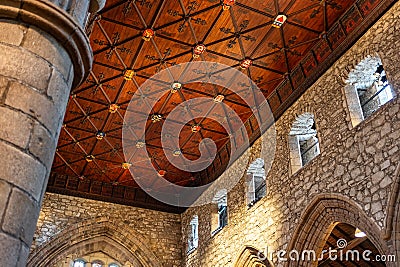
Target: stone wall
[356, 165]
[161, 230]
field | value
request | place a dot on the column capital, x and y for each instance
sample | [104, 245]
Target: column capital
[54, 20]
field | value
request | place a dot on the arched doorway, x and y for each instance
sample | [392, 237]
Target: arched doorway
[321, 217]
[97, 235]
[349, 246]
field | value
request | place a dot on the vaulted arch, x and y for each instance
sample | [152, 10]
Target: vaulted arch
[252, 257]
[321, 216]
[100, 234]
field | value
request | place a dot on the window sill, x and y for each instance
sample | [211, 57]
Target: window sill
[253, 203]
[191, 251]
[307, 164]
[216, 231]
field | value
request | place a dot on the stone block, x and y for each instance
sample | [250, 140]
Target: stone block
[45, 46]
[42, 145]
[32, 102]
[9, 249]
[11, 32]
[15, 127]
[3, 87]
[22, 170]
[59, 91]
[5, 190]
[23, 256]
[20, 213]
[29, 68]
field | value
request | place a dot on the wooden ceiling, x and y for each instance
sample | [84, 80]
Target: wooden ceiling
[285, 61]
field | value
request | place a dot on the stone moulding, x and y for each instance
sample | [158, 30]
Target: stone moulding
[59, 24]
[392, 205]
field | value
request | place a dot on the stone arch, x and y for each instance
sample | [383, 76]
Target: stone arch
[396, 231]
[99, 234]
[251, 257]
[322, 214]
[357, 58]
[392, 225]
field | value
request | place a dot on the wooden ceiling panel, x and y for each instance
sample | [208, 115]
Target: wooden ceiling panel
[146, 11]
[230, 59]
[298, 43]
[180, 33]
[203, 23]
[102, 74]
[284, 62]
[224, 21]
[245, 20]
[266, 7]
[282, 5]
[312, 17]
[147, 63]
[337, 8]
[102, 91]
[170, 13]
[271, 43]
[229, 50]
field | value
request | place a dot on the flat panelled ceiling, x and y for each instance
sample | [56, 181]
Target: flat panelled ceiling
[283, 60]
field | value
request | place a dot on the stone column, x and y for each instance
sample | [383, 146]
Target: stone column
[43, 53]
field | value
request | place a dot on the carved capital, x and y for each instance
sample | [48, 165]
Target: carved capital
[57, 22]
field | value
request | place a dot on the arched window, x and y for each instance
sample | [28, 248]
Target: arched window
[193, 237]
[113, 265]
[219, 215]
[79, 263]
[255, 182]
[303, 141]
[367, 89]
